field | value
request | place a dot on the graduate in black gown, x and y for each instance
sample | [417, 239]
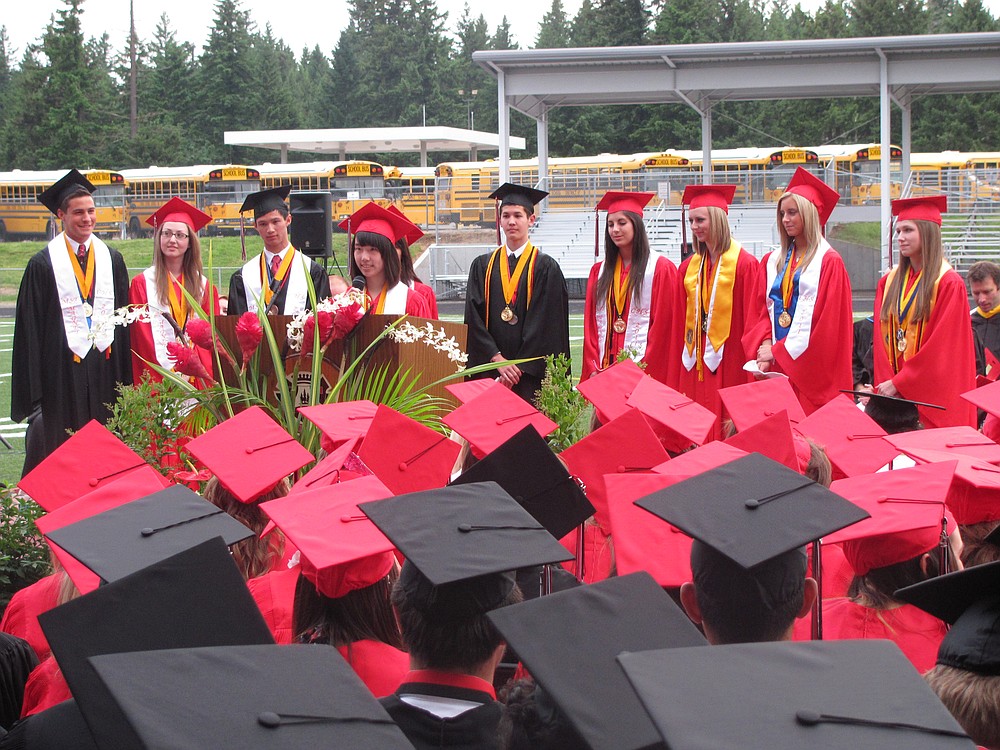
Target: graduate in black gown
[67, 358]
[276, 276]
[516, 302]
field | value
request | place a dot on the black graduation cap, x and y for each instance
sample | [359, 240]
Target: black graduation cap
[822, 695]
[969, 601]
[890, 401]
[527, 469]
[266, 201]
[276, 697]
[130, 537]
[52, 197]
[460, 544]
[752, 509]
[195, 598]
[518, 195]
[569, 641]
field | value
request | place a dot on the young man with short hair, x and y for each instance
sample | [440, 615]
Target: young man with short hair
[984, 285]
[277, 276]
[516, 302]
[67, 359]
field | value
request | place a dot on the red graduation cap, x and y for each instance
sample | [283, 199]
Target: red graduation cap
[618, 200]
[853, 441]
[495, 416]
[962, 440]
[771, 437]
[176, 209]
[341, 549]
[624, 445]
[679, 421]
[468, 389]
[658, 548]
[249, 453]
[406, 455]
[906, 507]
[126, 488]
[609, 389]
[709, 456]
[371, 217]
[975, 490]
[413, 232]
[924, 208]
[814, 190]
[701, 196]
[985, 397]
[751, 403]
[342, 465]
[91, 457]
[340, 421]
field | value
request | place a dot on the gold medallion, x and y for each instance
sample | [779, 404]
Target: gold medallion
[513, 319]
[901, 341]
[506, 315]
[689, 336]
[619, 325]
[784, 320]
[88, 310]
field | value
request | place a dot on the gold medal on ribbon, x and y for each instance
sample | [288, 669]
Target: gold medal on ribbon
[513, 319]
[507, 315]
[619, 325]
[88, 310]
[784, 320]
[901, 340]
[689, 336]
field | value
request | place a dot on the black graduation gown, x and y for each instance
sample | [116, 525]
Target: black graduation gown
[543, 329]
[238, 293]
[987, 332]
[61, 727]
[476, 729]
[44, 375]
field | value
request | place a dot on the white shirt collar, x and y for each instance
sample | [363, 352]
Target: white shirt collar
[269, 255]
[517, 251]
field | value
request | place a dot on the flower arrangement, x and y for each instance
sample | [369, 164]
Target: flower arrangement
[336, 317]
[123, 316]
[436, 338]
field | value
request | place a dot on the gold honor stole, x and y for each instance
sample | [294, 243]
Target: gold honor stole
[711, 299]
[509, 283]
[988, 314]
[283, 267]
[177, 301]
[901, 326]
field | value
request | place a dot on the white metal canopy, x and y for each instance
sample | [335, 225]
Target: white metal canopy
[895, 69]
[344, 141]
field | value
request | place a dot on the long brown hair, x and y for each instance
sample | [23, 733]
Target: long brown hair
[640, 257]
[191, 268]
[254, 556]
[359, 615]
[932, 256]
[807, 243]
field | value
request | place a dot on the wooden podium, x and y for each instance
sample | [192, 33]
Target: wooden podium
[423, 361]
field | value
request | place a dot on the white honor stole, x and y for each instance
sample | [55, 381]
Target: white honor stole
[296, 292]
[712, 357]
[395, 300]
[74, 317]
[797, 340]
[637, 325]
[163, 332]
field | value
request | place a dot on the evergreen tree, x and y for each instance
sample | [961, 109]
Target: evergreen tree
[314, 78]
[276, 79]
[621, 23]
[502, 37]
[584, 31]
[832, 21]
[553, 31]
[887, 18]
[688, 22]
[24, 113]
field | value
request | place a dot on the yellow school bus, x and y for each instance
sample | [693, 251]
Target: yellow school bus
[411, 190]
[23, 217]
[219, 191]
[855, 170]
[351, 184]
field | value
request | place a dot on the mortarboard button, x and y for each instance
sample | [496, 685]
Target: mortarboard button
[194, 598]
[406, 455]
[518, 195]
[527, 469]
[817, 694]
[129, 537]
[626, 444]
[629, 613]
[494, 416]
[125, 489]
[91, 457]
[53, 196]
[313, 698]
[249, 453]
[853, 441]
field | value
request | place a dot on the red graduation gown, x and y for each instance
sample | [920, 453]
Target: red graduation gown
[274, 594]
[142, 333]
[45, 688]
[429, 298]
[730, 371]
[380, 666]
[917, 633]
[944, 367]
[824, 368]
[21, 616]
[665, 306]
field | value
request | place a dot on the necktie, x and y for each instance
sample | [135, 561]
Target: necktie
[275, 262]
[81, 254]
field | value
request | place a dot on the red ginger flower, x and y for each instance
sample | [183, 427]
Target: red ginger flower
[346, 318]
[326, 329]
[186, 361]
[200, 332]
[248, 334]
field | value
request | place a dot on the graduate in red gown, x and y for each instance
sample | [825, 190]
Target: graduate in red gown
[20, 617]
[632, 299]
[375, 257]
[803, 301]
[176, 266]
[923, 342]
[406, 271]
[717, 284]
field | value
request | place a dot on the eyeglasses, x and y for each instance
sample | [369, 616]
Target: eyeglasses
[166, 234]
